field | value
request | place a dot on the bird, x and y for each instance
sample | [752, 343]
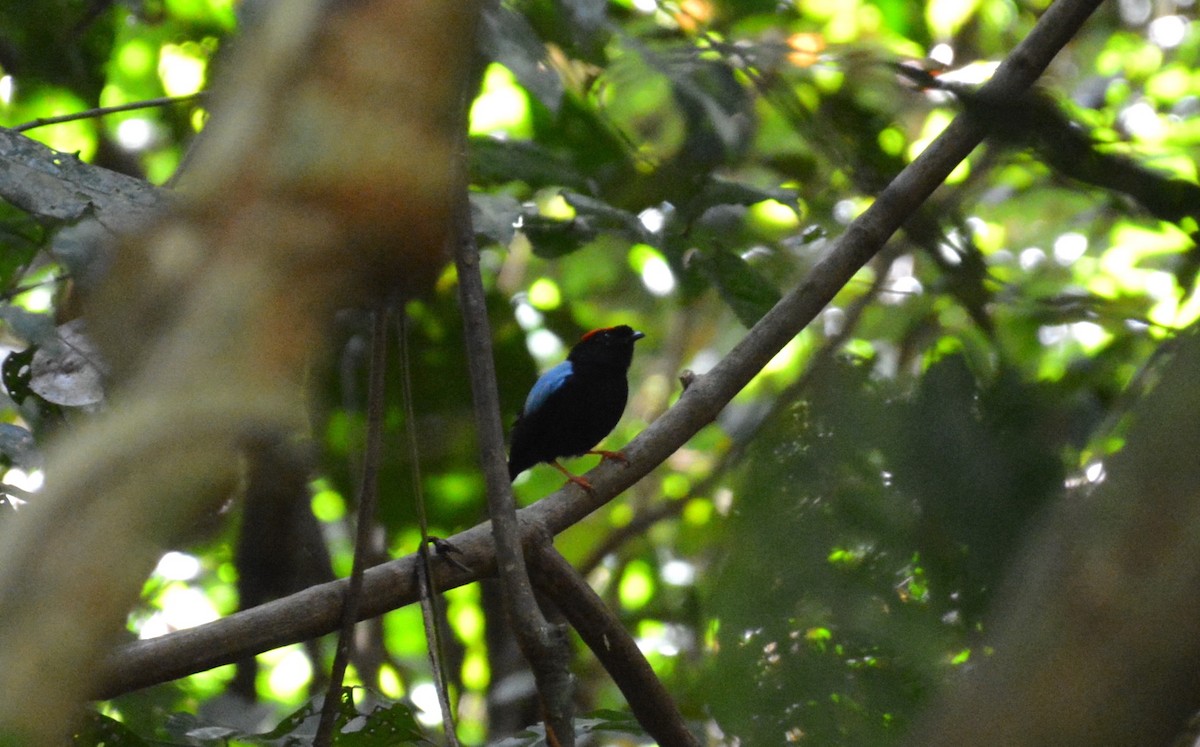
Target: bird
[574, 405]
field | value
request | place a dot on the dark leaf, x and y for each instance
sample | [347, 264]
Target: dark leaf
[69, 370]
[534, 736]
[179, 725]
[385, 726]
[494, 217]
[607, 720]
[82, 248]
[102, 730]
[56, 46]
[495, 161]
[725, 192]
[216, 734]
[506, 37]
[18, 242]
[807, 235]
[292, 722]
[587, 141]
[602, 215]
[739, 285]
[16, 372]
[29, 326]
[18, 445]
[588, 19]
[556, 238]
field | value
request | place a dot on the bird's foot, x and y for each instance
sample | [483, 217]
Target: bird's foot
[616, 456]
[582, 482]
[572, 477]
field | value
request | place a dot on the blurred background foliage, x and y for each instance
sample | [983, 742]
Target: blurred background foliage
[808, 568]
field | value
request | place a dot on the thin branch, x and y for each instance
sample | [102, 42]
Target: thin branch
[646, 518]
[431, 616]
[104, 111]
[313, 612]
[12, 293]
[368, 499]
[543, 644]
[20, 494]
[600, 629]
[431, 613]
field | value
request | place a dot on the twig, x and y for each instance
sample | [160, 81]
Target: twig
[600, 629]
[106, 110]
[21, 494]
[430, 612]
[367, 500]
[314, 612]
[12, 293]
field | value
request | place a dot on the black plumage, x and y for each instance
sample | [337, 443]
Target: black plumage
[574, 405]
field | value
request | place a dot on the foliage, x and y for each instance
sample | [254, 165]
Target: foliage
[831, 546]
[383, 724]
[908, 507]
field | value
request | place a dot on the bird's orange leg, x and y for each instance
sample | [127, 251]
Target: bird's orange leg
[572, 477]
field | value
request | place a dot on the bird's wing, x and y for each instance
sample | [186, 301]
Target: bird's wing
[549, 383]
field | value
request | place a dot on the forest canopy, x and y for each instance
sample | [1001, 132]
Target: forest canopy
[933, 485]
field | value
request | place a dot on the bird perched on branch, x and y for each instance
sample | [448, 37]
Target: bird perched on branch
[574, 405]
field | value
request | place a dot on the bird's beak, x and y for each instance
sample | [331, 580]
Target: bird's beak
[638, 335]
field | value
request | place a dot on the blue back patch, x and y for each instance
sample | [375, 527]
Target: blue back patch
[549, 383]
